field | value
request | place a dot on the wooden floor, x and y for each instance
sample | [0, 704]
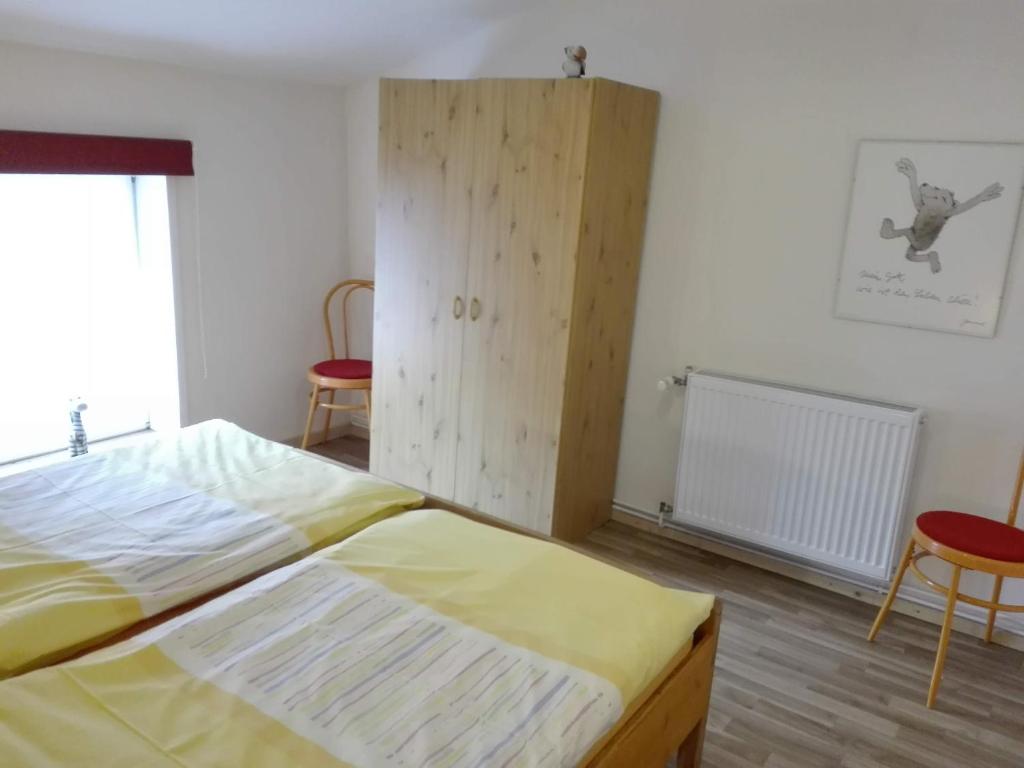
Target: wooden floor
[353, 451]
[796, 683]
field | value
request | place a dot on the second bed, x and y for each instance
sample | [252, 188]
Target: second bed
[92, 546]
[427, 639]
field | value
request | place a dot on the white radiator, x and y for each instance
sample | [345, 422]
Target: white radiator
[817, 476]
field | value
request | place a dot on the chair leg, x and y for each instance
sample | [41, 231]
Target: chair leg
[947, 627]
[997, 591]
[366, 402]
[327, 417]
[313, 398]
[896, 581]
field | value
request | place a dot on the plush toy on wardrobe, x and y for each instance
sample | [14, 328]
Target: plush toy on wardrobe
[575, 64]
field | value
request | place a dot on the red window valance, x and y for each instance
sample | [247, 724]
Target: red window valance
[32, 152]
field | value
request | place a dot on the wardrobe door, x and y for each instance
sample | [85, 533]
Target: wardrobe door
[424, 176]
[528, 184]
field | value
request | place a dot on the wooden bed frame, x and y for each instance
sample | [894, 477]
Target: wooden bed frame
[668, 719]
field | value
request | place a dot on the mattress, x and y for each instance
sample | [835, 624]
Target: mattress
[91, 546]
[424, 640]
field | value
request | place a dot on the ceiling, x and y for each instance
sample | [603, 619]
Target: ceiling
[317, 40]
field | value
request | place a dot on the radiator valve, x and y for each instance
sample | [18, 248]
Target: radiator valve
[664, 510]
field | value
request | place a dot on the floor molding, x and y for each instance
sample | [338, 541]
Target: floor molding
[359, 428]
[336, 431]
[797, 684]
[919, 603]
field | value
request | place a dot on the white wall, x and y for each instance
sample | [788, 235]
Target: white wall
[763, 104]
[270, 167]
[361, 168]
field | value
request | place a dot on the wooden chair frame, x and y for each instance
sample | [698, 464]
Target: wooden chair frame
[959, 561]
[329, 384]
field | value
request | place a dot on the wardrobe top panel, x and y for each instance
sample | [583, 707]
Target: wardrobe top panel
[582, 80]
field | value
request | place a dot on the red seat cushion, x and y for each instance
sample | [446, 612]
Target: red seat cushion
[345, 369]
[975, 535]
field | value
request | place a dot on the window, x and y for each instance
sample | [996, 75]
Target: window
[86, 307]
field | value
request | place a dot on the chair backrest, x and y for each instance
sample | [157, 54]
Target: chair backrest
[347, 288]
[1015, 504]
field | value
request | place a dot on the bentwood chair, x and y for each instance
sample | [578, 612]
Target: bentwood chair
[965, 542]
[336, 373]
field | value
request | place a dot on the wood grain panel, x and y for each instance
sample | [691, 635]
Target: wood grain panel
[425, 192]
[527, 199]
[622, 128]
[529, 170]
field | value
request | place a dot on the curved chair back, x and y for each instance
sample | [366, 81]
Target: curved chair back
[347, 288]
[1015, 503]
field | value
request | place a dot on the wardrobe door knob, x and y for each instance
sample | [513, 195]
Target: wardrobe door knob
[474, 308]
[458, 307]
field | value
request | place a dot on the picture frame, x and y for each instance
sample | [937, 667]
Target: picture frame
[930, 232]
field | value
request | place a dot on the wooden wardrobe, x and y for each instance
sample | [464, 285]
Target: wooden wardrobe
[509, 229]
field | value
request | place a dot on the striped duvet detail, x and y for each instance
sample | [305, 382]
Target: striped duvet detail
[160, 540]
[377, 679]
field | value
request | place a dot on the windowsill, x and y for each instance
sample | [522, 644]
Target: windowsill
[46, 459]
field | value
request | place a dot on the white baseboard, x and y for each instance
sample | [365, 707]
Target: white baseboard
[913, 600]
[336, 431]
[359, 425]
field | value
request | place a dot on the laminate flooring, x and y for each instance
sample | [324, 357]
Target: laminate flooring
[798, 686]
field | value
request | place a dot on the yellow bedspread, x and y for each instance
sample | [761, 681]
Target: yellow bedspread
[91, 546]
[424, 640]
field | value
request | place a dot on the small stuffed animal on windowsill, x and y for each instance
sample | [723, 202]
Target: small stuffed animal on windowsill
[575, 64]
[78, 444]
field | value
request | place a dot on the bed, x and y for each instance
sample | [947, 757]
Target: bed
[92, 546]
[427, 638]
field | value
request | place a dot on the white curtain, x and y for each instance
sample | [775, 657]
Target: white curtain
[72, 314]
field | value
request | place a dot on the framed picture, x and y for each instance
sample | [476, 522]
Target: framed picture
[930, 233]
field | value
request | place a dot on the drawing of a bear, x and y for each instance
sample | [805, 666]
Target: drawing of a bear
[935, 206]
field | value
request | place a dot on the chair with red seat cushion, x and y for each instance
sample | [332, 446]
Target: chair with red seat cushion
[965, 542]
[344, 369]
[344, 373]
[979, 536]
